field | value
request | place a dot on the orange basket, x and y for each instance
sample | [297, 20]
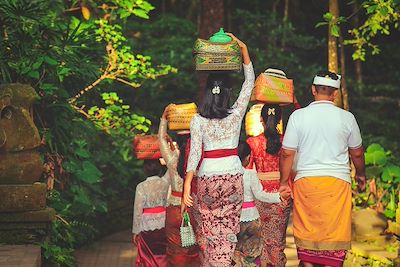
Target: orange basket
[146, 147]
[273, 90]
[179, 116]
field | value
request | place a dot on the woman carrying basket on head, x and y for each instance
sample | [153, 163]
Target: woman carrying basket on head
[177, 256]
[219, 179]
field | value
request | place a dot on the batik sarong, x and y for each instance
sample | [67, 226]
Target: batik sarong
[178, 256]
[218, 205]
[274, 218]
[322, 219]
[151, 249]
[249, 246]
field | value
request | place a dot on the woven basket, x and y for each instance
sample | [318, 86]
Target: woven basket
[146, 147]
[252, 122]
[273, 90]
[212, 56]
[179, 116]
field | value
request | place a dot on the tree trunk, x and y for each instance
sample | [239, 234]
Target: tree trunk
[211, 19]
[356, 23]
[191, 11]
[332, 47]
[285, 21]
[345, 93]
[229, 15]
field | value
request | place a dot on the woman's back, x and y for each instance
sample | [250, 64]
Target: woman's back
[262, 160]
[216, 134]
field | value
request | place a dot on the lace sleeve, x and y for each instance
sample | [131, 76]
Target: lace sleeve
[259, 193]
[195, 144]
[243, 100]
[166, 152]
[137, 210]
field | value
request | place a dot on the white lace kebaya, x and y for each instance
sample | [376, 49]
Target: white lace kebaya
[171, 159]
[253, 190]
[151, 193]
[224, 133]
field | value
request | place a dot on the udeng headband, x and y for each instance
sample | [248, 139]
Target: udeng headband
[327, 81]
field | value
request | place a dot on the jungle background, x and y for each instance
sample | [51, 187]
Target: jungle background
[105, 70]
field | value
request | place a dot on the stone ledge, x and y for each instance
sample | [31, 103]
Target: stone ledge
[45, 215]
[20, 256]
[363, 253]
[14, 198]
[24, 167]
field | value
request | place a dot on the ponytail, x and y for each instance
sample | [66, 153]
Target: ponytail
[271, 115]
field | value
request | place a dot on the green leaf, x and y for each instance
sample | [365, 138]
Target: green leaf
[379, 158]
[389, 213]
[371, 9]
[335, 30]
[374, 171]
[374, 147]
[384, 11]
[124, 14]
[33, 74]
[140, 13]
[89, 173]
[328, 16]
[319, 24]
[50, 61]
[391, 173]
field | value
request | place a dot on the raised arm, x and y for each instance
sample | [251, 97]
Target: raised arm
[137, 210]
[249, 77]
[259, 193]
[165, 148]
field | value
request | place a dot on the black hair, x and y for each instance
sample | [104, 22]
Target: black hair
[243, 150]
[182, 143]
[271, 115]
[152, 167]
[216, 105]
[323, 89]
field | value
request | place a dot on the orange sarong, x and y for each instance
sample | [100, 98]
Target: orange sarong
[322, 213]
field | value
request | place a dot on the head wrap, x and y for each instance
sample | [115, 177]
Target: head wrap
[327, 81]
[276, 73]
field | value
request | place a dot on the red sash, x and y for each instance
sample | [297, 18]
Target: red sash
[154, 210]
[176, 193]
[220, 153]
[249, 204]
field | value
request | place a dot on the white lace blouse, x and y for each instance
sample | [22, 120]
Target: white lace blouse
[150, 193]
[171, 158]
[253, 190]
[223, 133]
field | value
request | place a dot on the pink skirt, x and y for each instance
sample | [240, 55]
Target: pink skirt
[218, 205]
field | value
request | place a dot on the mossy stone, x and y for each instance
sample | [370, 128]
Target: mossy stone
[15, 198]
[24, 167]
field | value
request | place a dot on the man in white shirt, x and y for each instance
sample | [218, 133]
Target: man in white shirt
[323, 135]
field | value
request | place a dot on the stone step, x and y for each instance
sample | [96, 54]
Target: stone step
[20, 256]
[15, 198]
[20, 168]
[25, 227]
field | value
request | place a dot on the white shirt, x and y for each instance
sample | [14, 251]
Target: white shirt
[223, 133]
[322, 134]
[253, 190]
[152, 192]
